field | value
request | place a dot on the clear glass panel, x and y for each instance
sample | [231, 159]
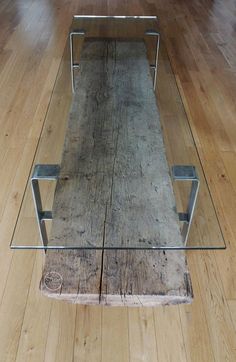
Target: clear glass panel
[205, 232]
[114, 26]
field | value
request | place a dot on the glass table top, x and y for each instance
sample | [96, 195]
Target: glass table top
[114, 26]
[205, 232]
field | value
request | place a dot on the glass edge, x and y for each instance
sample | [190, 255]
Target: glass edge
[144, 17]
[183, 248]
[200, 161]
[39, 247]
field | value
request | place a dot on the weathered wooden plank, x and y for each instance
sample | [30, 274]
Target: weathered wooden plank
[73, 275]
[114, 154]
[79, 211]
[115, 189]
[145, 278]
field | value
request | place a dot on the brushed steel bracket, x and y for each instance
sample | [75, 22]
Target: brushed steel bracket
[73, 64]
[187, 173]
[42, 173]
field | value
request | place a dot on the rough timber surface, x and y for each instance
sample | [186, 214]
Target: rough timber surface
[115, 189]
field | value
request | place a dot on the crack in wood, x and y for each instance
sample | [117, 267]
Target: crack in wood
[102, 256]
[119, 191]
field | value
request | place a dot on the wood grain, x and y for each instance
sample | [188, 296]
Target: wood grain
[114, 168]
[115, 189]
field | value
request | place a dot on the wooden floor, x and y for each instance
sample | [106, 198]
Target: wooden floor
[201, 43]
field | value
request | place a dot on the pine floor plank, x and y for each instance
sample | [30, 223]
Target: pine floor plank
[142, 335]
[197, 341]
[168, 328]
[232, 308]
[115, 334]
[88, 334]
[14, 302]
[61, 332]
[220, 326]
[33, 338]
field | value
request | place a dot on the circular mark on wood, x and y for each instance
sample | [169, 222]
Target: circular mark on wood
[53, 281]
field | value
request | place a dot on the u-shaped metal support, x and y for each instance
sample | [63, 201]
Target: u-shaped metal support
[73, 64]
[81, 32]
[42, 172]
[155, 65]
[187, 173]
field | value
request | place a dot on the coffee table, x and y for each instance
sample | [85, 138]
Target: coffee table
[132, 252]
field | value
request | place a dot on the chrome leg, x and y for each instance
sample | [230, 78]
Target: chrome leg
[156, 60]
[72, 63]
[187, 173]
[155, 65]
[42, 172]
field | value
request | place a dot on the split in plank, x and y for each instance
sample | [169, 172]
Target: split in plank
[114, 189]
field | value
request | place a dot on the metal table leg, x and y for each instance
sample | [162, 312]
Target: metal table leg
[155, 65]
[42, 172]
[74, 65]
[187, 173]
